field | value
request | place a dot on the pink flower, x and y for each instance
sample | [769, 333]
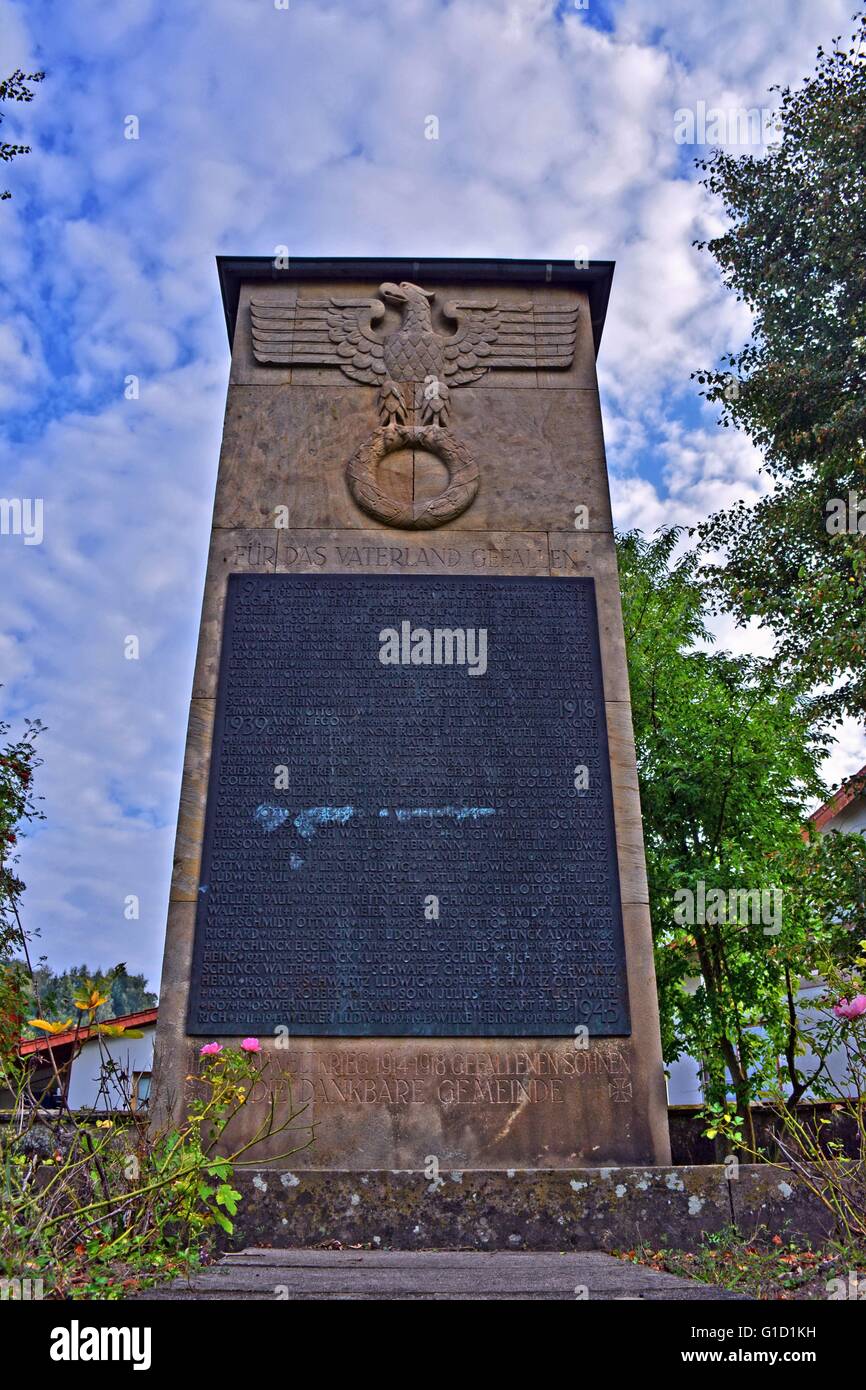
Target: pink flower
[251, 1045]
[210, 1049]
[851, 1010]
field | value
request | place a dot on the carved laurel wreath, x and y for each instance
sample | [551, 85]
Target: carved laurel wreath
[457, 496]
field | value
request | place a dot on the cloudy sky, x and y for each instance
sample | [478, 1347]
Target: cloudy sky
[264, 123]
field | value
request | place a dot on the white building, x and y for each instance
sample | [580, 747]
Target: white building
[845, 811]
[98, 1072]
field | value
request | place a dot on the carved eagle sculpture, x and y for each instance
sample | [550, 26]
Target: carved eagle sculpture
[343, 333]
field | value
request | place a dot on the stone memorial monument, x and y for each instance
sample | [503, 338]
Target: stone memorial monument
[409, 855]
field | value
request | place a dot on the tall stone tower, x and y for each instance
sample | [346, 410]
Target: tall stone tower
[409, 854]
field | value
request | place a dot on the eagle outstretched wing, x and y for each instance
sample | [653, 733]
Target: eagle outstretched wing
[490, 335]
[321, 333]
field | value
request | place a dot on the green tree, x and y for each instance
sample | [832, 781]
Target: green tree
[15, 88]
[794, 252]
[18, 808]
[728, 758]
[57, 993]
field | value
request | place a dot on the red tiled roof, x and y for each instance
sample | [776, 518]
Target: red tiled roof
[852, 787]
[30, 1045]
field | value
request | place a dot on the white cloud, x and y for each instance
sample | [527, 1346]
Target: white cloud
[848, 754]
[701, 471]
[21, 362]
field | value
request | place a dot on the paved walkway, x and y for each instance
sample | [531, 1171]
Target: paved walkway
[430, 1274]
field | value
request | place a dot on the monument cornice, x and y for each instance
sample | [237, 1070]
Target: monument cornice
[594, 278]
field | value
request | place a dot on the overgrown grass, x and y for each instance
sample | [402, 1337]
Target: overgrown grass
[761, 1266]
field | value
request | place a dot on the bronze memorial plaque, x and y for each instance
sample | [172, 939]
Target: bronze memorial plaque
[409, 827]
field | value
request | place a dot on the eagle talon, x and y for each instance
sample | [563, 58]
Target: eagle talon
[392, 405]
[435, 403]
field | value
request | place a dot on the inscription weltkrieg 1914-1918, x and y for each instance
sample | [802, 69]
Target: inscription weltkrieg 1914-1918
[396, 843]
[513, 1076]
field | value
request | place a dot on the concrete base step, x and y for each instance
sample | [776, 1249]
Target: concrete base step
[292, 1275]
[514, 1210]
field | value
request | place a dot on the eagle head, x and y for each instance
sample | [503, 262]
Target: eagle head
[404, 293]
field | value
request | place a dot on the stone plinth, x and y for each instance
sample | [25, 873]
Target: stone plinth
[550, 1209]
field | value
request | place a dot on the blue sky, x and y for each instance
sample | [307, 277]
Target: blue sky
[305, 126]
